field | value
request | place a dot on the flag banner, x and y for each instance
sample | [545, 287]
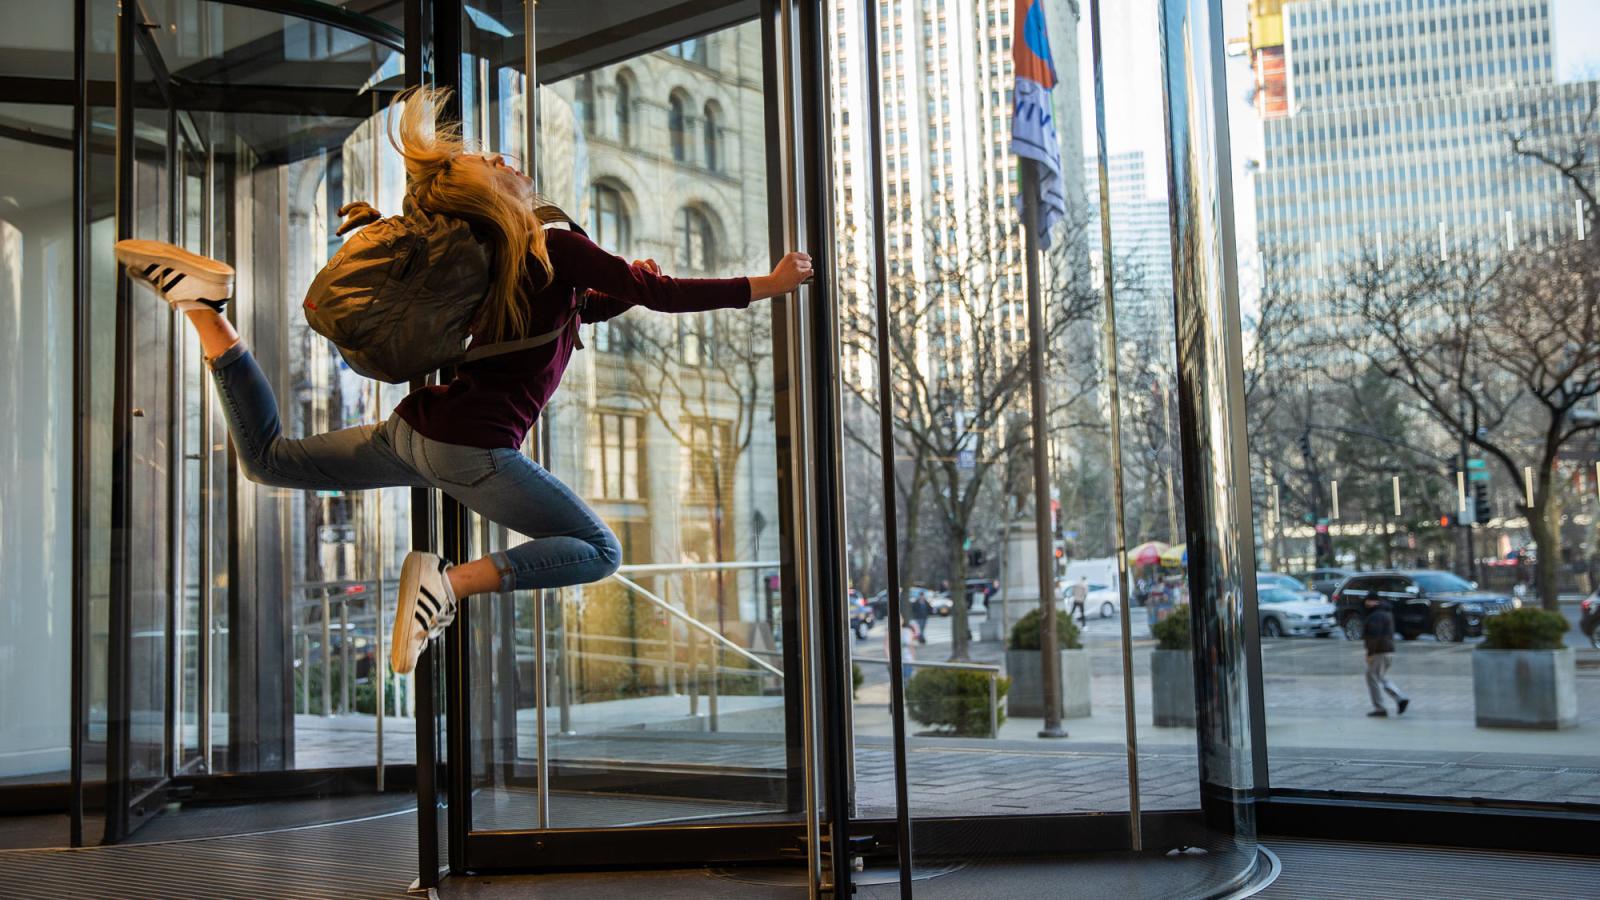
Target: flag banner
[1033, 125]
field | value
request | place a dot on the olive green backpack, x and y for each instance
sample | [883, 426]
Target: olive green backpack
[400, 297]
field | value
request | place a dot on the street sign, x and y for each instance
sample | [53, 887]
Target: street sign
[1477, 470]
[967, 459]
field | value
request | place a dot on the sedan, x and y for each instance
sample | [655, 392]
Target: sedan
[1325, 581]
[1288, 583]
[1104, 598]
[1286, 613]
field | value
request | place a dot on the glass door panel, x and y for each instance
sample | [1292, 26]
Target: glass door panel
[666, 694]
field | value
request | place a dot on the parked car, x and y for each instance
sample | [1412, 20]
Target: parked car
[861, 615]
[1325, 580]
[980, 589]
[940, 602]
[1104, 599]
[880, 601]
[1291, 613]
[1589, 618]
[1423, 601]
[1288, 583]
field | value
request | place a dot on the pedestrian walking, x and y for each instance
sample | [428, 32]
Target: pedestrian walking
[1378, 631]
[1080, 600]
[463, 437]
[921, 609]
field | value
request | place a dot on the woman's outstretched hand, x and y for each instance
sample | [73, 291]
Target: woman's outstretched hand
[357, 214]
[791, 272]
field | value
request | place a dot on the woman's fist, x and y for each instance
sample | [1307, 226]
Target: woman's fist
[791, 272]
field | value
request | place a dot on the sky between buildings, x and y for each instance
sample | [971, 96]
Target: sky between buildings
[1134, 114]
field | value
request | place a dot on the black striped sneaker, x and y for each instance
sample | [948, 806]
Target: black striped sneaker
[427, 605]
[185, 280]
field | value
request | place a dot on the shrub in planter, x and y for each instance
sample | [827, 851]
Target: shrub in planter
[1172, 633]
[954, 701]
[1172, 671]
[855, 679]
[1529, 628]
[1025, 634]
[1025, 665]
[1522, 675]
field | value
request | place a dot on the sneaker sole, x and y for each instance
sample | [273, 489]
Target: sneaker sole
[140, 254]
[401, 658]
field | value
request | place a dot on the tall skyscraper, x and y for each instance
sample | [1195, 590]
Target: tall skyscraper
[1398, 125]
[950, 178]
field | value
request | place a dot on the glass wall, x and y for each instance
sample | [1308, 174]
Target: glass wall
[1414, 186]
[964, 430]
[36, 450]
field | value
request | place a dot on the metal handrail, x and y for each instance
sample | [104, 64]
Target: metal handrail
[994, 681]
[692, 622]
[657, 568]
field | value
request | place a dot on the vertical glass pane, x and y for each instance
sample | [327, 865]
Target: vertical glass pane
[36, 433]
[675, 666]
[1141, 282]
[962, 420]
[1417, 249]
[151, 430]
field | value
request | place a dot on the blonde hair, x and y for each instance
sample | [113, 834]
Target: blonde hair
[436, 185]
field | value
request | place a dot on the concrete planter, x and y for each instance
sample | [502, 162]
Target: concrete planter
[1026, 699]
[1525, 688]
[1172, 688]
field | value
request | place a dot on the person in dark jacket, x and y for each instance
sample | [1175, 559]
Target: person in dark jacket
[1378, 631]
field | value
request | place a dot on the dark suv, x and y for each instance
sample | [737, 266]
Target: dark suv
[1423, 601]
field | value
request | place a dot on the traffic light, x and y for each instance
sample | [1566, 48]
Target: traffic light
[976, 558]
[1305, 444]
[1480, 502]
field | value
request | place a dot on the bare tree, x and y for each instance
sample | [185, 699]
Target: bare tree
[1499, 348]
[958, 359]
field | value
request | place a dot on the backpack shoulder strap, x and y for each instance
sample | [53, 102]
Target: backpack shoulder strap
[549, 215]
[527, 343]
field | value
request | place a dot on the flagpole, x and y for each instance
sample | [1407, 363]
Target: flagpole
[1049, 645]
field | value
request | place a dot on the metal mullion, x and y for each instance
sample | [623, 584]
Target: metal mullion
[873, 66]
[779, 36]
[541, 441]
[81, 354]
[175, 467]
[206, 659]
[121, 549]
[826, 438]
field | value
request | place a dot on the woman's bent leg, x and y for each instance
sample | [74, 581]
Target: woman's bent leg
[570, 544]
[350, 459]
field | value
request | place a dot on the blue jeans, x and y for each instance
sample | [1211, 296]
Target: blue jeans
[570, 544]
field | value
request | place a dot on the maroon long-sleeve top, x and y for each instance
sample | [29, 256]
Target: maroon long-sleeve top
[494, 401]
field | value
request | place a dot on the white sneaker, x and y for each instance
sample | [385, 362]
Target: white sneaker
[185, 280]
[427, 605]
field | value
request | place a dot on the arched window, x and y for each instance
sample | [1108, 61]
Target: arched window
[624, 108]
[610, 227]
[678, 125]
[585, 103]
[696, 241]
[713, 136]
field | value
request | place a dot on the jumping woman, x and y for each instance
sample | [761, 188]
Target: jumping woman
[463, 438]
